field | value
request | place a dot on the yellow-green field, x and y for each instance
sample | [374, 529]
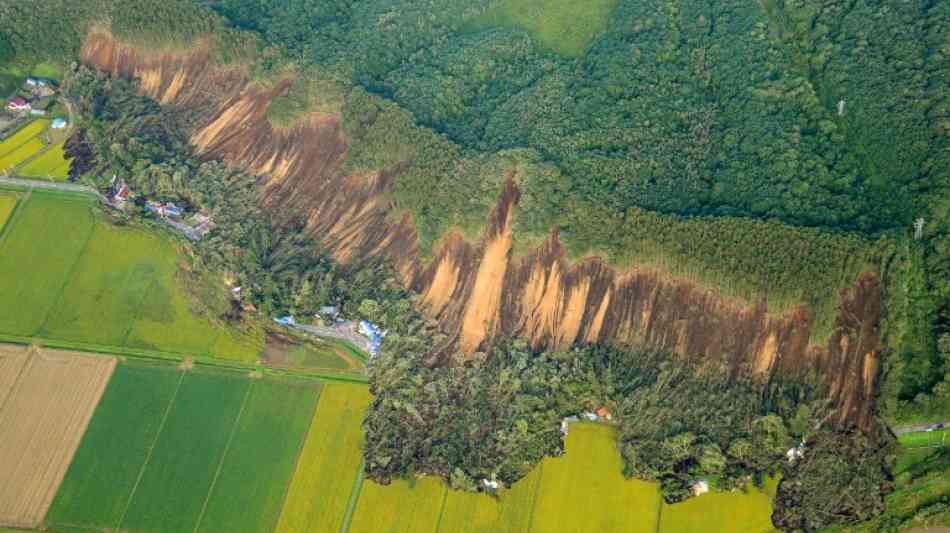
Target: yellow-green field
[21, 154]
[50, 164]
[25, 134]
[329, 464]
[740, 511]
[466, 512]
[589, 477]
[7, 203]
[400, 507]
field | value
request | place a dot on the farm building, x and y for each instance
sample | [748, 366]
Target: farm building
[58, 124]
[699, 487]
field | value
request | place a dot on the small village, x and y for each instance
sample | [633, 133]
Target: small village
[37, 97]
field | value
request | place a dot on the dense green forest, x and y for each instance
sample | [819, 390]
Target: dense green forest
[766, 149]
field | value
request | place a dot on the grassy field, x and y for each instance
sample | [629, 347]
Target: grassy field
[7, 203]
[21, 154]
[400, 507]
[919, 439]
[99, 482]
[747, 511]
[564, 26]
[256, 472]
[181, 468]
[329, 464]
[40, 245]
[50, 164]
[92, 282]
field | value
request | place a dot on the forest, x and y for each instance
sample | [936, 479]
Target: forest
[766, 149]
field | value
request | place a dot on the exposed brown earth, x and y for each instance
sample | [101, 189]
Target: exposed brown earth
[479, 290]
[42, 421]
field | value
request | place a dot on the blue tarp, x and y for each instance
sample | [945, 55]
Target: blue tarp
[286, 320]
[374, 334]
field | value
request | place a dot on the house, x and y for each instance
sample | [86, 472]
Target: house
[699, 487]
[604, 413]
[58, 124]
[18, 104]
[329, 311]
[167, 209]
[490, 485]
[38, 112]
[118, 192]
[249, 308]
[32, 82]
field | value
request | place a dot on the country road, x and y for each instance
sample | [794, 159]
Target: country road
[917, 427]
[44, 184]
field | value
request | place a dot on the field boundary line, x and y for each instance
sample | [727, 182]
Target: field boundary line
[151, 448]
[659, 511]
[69, 276]
[8, 223]
[355, 493]
[297, 456]
[445, 498]
[224, 455]
[534, 498]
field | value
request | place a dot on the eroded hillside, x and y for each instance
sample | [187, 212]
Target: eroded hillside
[480, 290]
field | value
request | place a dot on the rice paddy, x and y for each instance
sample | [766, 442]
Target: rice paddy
[90, 282]
[51, 164]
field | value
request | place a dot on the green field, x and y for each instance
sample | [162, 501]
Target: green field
[564, 26]
[183, 464]
[329, 464]
[256, 472]
[94, 283]
[96, 489]
[7, 203]
[400, 507]
[40, 245]
[921, 439]
[50, 164]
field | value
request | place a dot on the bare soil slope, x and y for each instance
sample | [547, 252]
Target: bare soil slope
[479, 290]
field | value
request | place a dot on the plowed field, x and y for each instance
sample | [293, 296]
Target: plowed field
[49, 401]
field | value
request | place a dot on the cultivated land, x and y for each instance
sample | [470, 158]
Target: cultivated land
[747, 511]
[23, 145]
[465, 512]
[181, 468]
[50, 164]
[589, 477]
[94, 283]
[7, 203]
[329, 464]
[99, 482]
[42, 419]
[400, 507]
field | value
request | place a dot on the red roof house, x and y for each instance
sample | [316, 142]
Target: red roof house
[18, 104]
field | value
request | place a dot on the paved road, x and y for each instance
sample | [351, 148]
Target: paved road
[45, 184]
[918, 427]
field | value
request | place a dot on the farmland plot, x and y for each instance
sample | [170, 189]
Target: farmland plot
[738, 511]
[259, 464]
[7, 203]
[401, 507]
[183, 464]
[584, 490]
[99, 482]
[329, 464]
[467, 512]
[37, 253]
[41, 423]
[23, 136]
[50, 164]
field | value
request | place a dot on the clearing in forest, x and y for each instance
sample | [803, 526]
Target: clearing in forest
[329, 465]
[42, 419]
[564, 26]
